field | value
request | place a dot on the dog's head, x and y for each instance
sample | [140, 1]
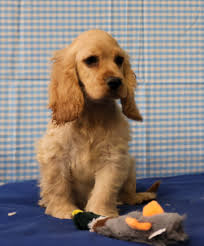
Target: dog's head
[93, 66]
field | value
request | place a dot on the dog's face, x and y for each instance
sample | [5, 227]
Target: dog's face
[100, 67]
[94, 65]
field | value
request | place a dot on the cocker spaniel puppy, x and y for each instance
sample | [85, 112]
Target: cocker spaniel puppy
[83, 157]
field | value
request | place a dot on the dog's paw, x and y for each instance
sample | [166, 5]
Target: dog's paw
[107, 212]
[60, 212]
[113, 213]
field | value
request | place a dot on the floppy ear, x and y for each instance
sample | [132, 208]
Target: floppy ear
[129, 106]
[66, 99]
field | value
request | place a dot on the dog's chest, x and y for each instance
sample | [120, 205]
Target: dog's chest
[85, 158]
[89, 150]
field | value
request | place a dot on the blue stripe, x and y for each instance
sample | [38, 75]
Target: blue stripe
[44, 9]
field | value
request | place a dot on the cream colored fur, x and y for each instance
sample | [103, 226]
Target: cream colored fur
[83, 156]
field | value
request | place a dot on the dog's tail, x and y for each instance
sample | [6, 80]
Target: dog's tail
[154, 187]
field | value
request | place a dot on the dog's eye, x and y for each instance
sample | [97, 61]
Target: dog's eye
[91, 60]
[119, 60]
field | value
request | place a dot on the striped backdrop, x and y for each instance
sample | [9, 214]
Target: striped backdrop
[165, 41]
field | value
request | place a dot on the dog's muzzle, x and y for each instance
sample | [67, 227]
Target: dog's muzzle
[114, 83]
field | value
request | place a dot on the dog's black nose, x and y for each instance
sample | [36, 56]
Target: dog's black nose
[114, 82]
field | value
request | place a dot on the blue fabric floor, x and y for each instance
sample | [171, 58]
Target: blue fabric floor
[30, 226]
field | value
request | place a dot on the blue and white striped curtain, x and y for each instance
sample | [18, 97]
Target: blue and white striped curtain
[165, 41]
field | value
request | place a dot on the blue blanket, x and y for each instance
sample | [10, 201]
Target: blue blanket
[30, 226]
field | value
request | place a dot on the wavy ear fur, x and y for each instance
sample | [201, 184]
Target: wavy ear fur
[129, 106]
[66, 99]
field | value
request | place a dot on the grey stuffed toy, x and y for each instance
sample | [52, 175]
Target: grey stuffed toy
[151, 226]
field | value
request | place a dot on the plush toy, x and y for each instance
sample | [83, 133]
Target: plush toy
[152, 226]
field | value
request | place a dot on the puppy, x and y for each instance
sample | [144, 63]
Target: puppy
[83, 156]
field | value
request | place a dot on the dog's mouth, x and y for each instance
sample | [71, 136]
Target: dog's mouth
[113, 95]
[120, 93]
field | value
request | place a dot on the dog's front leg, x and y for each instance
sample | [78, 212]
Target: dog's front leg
[108, 182]
[60, 203]
[56, 195]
